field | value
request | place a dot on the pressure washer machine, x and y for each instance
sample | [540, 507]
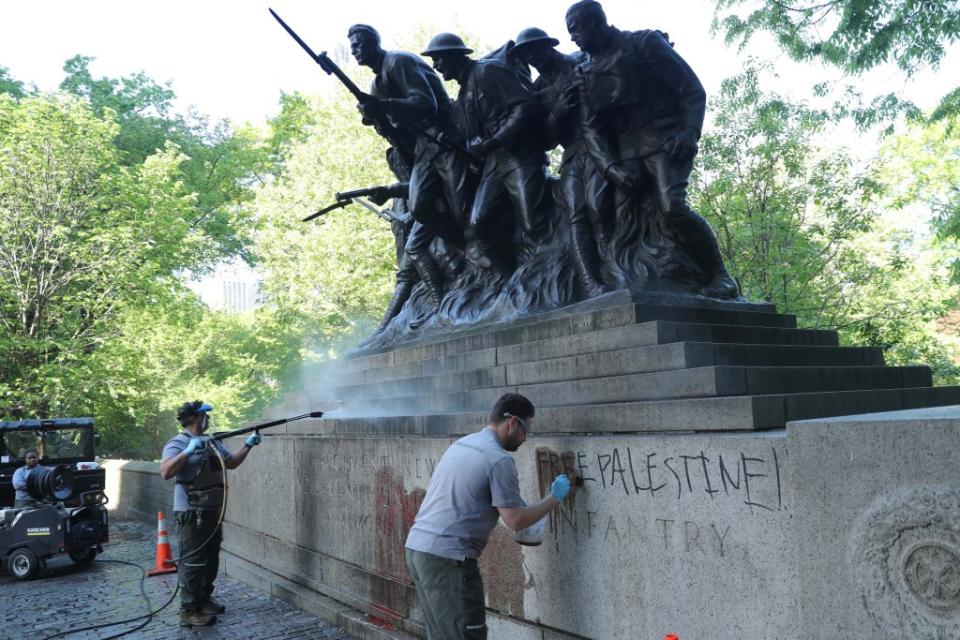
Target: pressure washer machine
[68, 514]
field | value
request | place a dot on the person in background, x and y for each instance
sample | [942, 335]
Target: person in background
[22, 499]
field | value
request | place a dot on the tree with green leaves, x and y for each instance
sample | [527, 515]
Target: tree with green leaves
[334, 273]
[81, 235]
[9, 85]
[853, 35]
[219, 163]
[922, 165]
[804, 226]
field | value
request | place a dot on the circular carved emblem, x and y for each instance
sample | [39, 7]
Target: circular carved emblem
[932, 572]
[904, 554]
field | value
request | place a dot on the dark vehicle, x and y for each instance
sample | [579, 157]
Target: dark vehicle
[70, 517]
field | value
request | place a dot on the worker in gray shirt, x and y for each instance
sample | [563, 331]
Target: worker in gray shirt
[198, 499]
[22, 498]
[474, 485]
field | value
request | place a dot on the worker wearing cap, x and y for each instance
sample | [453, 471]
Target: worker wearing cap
[197, 506]
[473, 486]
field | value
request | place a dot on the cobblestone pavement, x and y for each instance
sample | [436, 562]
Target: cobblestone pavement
[66, 597]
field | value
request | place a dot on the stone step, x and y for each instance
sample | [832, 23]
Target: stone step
[726, 413]
[604, 340]
[565, 324]
[681, 383]
[685, 355]
[723, 381]
[659, 333]
[677, 355]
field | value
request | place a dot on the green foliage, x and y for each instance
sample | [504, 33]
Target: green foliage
[80, 235]
[291, 124]
[854, 35]
[182, 351]
[217, 165]
[10, 86]
[106, 201]
[803, 226]
[334, 274]
[784, 210]
[923, 168]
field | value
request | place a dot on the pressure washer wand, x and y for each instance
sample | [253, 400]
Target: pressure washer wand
[265, 425]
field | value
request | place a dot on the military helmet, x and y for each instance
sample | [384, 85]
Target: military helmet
[530, 36]
[446, 43]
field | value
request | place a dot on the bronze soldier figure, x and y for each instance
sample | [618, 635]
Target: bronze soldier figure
[581, 185]
[409, 93]
[643, 110]
[498, 113]
[401, 223]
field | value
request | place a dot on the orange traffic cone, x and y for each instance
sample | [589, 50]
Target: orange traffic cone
[164, 555]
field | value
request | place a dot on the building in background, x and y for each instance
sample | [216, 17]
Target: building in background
[233, 287]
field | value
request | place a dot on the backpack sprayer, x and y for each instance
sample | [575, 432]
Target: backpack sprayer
[207, 489]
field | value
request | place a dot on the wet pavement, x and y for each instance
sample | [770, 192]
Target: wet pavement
[67, 598]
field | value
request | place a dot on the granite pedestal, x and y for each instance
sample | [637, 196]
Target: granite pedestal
[722, 496]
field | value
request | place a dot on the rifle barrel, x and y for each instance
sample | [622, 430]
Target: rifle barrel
[356, 193]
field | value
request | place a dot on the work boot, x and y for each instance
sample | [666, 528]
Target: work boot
[212, 607]
[194, 618]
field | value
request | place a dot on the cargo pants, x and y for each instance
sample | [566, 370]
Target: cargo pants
[198, 568]
[451, 596]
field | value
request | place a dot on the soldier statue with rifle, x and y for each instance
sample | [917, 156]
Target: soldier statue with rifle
[410, 95]
[628, 112]
[410, 108]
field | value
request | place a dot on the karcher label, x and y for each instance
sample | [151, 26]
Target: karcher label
[38, 531]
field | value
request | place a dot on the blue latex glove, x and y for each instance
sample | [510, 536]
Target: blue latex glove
[560, 487]
[253, 439]
[196, 444]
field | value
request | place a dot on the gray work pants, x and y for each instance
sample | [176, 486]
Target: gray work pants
[451, 596]
[198, 565]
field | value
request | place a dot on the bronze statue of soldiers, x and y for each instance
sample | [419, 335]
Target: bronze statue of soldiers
[401, 224]
[642, 112]
[408, 92]
[498, 113]
[581, 185]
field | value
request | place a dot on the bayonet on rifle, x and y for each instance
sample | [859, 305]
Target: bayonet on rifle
[349, 197]
[336, 205]
[389, 130]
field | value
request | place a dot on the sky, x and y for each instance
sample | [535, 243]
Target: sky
[232, 60]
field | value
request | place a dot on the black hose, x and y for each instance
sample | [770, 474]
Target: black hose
[147, 617]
